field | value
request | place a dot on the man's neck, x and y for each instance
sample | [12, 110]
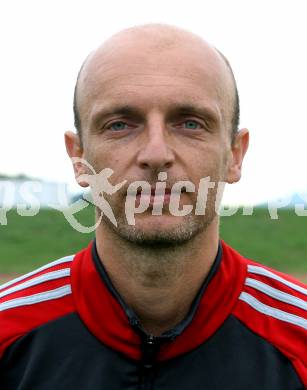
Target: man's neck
[159, 284]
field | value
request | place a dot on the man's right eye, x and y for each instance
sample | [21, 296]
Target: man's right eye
[119, 125]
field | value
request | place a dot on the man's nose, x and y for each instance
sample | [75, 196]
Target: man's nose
[156, 152]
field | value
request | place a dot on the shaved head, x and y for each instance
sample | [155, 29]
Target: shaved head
[154, 42]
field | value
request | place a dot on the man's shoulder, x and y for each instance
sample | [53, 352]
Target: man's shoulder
[273, 305]
[282, 290]
[35, 299]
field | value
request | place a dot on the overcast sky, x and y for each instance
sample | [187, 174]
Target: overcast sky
[43, 44]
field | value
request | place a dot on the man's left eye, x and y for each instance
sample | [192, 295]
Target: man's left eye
[191, 124]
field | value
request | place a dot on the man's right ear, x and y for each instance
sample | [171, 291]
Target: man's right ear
[75, 150]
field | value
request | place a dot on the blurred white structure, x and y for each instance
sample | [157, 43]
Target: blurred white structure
[25, 193]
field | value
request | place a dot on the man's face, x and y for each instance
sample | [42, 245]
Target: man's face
[147, 110]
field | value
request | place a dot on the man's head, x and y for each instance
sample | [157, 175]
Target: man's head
[156, 99]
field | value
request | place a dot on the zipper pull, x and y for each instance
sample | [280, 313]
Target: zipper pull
[150, 349]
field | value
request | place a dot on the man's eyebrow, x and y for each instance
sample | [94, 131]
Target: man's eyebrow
[206, 112]
[197, 110]
[124, 110]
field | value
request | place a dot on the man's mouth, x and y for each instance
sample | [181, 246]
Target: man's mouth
[157, 196]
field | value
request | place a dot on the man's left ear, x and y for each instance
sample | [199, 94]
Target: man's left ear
[238, 150]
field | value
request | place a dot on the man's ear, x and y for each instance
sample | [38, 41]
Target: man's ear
[238, 149]
[75, 149]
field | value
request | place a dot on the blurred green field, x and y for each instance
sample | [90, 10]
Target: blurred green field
[28, 242]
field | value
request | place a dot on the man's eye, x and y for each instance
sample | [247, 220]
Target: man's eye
[191, 124]
[118, 126]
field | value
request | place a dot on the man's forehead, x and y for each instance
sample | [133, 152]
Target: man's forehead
[151, 43]
[153, 46]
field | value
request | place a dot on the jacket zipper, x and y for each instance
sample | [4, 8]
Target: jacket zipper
[150, 348]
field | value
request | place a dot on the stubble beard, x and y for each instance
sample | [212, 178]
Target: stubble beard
[157, 256]
[179, 234]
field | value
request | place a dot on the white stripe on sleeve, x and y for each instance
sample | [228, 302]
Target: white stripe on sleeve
[262, 271]
[275, 293]
[272, 311]
[65, 259]
[35, 281]
[36, 298]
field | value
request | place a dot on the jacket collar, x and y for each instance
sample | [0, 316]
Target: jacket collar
[114, 323]
[132, 317]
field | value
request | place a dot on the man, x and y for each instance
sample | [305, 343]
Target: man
[161, 303]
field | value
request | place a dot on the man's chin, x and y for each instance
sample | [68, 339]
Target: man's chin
[161, 232]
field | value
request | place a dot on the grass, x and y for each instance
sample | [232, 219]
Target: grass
[279, 243]
[28, 242]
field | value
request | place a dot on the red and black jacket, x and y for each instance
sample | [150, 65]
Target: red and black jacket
[64, 326]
